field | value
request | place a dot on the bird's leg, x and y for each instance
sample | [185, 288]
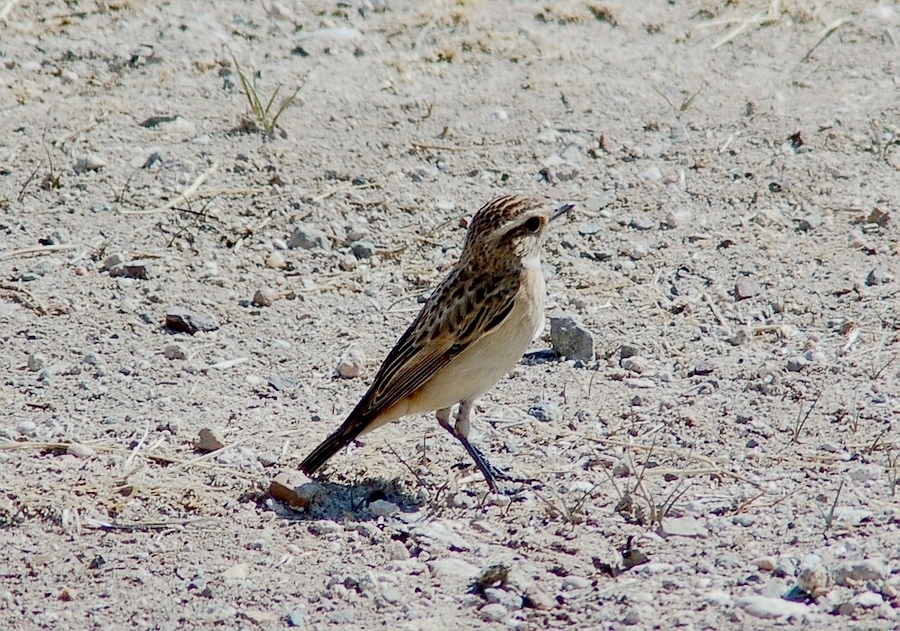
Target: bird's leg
[460, 431]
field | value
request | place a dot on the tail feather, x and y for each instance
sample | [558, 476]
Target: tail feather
[344, 435]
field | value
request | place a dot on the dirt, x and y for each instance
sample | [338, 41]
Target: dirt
[728, 460]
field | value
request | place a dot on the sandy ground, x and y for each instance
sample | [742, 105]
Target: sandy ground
[730, 458]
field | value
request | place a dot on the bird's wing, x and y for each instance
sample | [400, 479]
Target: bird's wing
[431, 342]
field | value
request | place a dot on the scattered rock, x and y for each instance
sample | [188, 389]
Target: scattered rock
[283, 383]
[850, 572]
[111, 261]
[506, 598]
[878, 277]
[139, 270]
[36, 362]
[174, 351]
[546, 412]
[589, 228]
[572, 582]
[642, 223]
[454, 569]
[363, 249]
[635, 364]
[297, 618]
[869, 600]
[237, 572]
[772, 608]
[746, 287]
[493, 612]
[686, 526]
[878, 217]
[79, 451]
[276, 260]
[383, 508]
[294, 489]
[351, 364]
[89, 162]
[209, 440]
[677, 218]
[439, 534]
[766, 563]
[629, 349]
[187, 321]
[797, 363]
[570, 339]
[309, 237]
[264, 297]
[703, 368]
[809, 223]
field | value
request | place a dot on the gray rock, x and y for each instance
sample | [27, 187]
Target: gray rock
[140, 270]
[454, 569]
[797, 363]
[746, 287]
[809, 223]
[27, 428]
[493, 612]
[174, 351]
[589, 228]
[363, 249]
[510, 600]
[209, 440]
[438, 534]
[858, 571]
[570, 339]
[686, 526]
[308, 237]
[264, 297]
[297, 618]
[877, 277]
[546, 412]
[642, 223]
[36, 362]
[283, 383]
[573, 582]
[629, 349]
[187, 321]
[772, 608]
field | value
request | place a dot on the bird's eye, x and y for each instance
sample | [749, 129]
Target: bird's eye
[533, 224]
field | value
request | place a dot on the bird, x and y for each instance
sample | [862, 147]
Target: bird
[471, 331]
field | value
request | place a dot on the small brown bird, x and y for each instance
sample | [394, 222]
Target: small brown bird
[473, 328]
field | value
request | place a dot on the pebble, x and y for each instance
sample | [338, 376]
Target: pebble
[36, 362]
[264, 297]
[677, 218]
[629, 350]
[746, 287]
[297, 618]
[308, 237]
[589, 228]
[60, 236]
[174, 351]
[638, 250]
[27, 428]
[209, 440]
[866, 473]
[139, 270]
[79, 451]
[397, 551]
[653, 174]
[276, 260]
[546, 412]
[363, 249]
[797, 363]
[294, 489]
[439, 534]
[810, 223]
[383, 508]
[237, 572]
[283, 383]
[878, 277]
[686, 526]
[771, 608]
[493, 612]
[868, 600]
[351, 364]
[510, 600]
[703, 368]
[635, 364]
[743, 520]
[453, 568]
[859, 571]
[642, 223]
[766, 563]
[89, 162]
[571, 339]
[572, 582]
[391, 594]
[187, 321]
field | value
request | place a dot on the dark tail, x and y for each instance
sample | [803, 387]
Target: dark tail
[345, 435]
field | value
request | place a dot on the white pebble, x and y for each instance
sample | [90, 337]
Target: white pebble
[351, 364]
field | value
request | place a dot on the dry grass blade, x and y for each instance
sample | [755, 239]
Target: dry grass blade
[37, 250]
[265, 118]
[183, 196]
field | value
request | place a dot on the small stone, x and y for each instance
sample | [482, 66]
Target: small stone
[187, 321]
[703, 368]
[769, 608]
[877, 277]
[746, 287]
[294, 489]
[283, 383]
[878, 217]
[589, 228]
[60, 236]
[629, 350]
[642, 223]
[766, 563]
[391, 594]
[631, 617]
[89, 162]
[36, 362]
[453, 568]
[264, 297]
[677, 218]
[174, 351]
[79, 451]
[743, 520]
[492, 612]
[351, 364]
[111, 261]
[570, 339]
[139, 270]
[850, 572]
[636, 364]
[572, 582]
[797, 363]
[866, 473]
[869, 600]
[237, 572]
[397, 551]
[308, 237]
[809, 223]
[638, 250]
[546, 412]
[509, 600]
[209, 440]
[27, 428]
[297, 618]
[363, 249]
[383, 508]
[686, 526]
[275, 260]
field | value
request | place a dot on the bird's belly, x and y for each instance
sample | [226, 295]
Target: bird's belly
[475, 371]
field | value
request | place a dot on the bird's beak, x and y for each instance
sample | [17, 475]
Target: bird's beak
[562, 210]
